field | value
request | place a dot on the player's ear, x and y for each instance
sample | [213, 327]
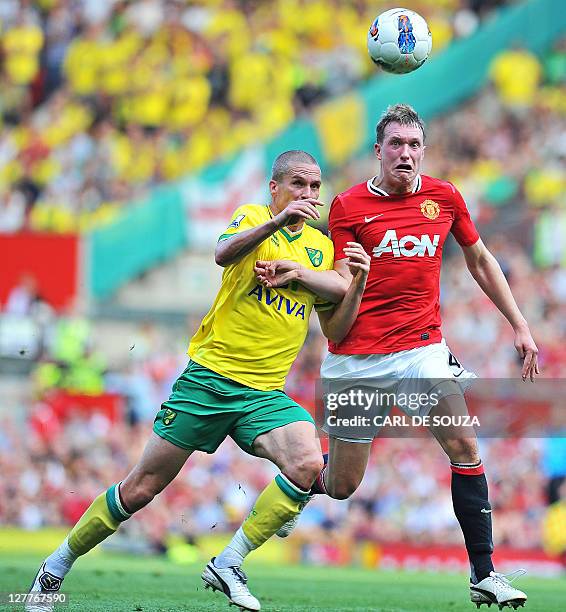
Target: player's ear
[377, 149]
[273, 187]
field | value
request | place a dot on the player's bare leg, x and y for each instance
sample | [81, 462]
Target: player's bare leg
[296, 451]
[341, 475]
[344, 469]
[158, 466]
[160, 462]
[472, 507]
[347, 462]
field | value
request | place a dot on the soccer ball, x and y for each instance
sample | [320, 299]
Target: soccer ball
[399, 40]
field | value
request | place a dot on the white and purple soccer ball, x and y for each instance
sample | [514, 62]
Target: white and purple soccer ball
[399, 40]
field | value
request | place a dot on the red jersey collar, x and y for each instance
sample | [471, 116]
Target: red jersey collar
[381, 192]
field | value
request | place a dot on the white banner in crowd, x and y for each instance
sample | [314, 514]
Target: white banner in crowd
[210, 202]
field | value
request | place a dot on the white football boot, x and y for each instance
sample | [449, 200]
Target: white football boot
[287, 527]
[497, 589]
[233, 583]
[44, 582]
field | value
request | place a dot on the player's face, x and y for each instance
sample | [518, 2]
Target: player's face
[301, 182]
[401, 155]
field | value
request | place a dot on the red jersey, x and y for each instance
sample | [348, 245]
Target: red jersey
[404, 235]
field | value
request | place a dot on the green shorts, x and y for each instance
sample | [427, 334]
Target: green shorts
[205, 407]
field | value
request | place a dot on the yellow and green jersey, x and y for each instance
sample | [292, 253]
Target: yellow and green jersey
[253, 334]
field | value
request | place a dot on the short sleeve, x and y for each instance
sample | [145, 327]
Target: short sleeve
[341, 231]
[463, 227]
[241, 220]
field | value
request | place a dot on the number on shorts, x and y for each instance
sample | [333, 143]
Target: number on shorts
[452, 361]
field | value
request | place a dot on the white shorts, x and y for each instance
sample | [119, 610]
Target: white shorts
[423, 370]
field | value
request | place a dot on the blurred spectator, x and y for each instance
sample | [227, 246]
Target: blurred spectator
[555, 63]
[554, 467]
[25, 322]
[516, 74]
[23, 299]
[554, 533]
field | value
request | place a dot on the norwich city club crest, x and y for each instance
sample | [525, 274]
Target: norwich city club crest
[169, 416]
[430, 209]
[315, 255]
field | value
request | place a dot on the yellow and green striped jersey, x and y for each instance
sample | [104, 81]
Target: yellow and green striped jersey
[253, 334]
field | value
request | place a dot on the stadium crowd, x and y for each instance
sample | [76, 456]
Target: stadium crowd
[405, 496]
[105, 98]
[51, 466]
[90, 118]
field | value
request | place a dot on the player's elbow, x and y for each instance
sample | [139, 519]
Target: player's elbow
[221, 257]
[336, 338]
[333, 334]
[341, 291]
[481, 266]
[333, 325]
[478, 258]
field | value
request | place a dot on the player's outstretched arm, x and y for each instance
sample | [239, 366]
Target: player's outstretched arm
[327, 284]
[233, 248]
[336, 323]
[487, 273]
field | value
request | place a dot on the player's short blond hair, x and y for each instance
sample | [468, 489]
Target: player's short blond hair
[282, 164]
[398, 113]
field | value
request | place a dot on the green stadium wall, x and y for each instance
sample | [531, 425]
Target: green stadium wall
[147, 233]
[156, 229]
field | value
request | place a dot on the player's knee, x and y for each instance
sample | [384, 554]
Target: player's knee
[305, 470]
[342, 489]
[462, 450]
[140, 491]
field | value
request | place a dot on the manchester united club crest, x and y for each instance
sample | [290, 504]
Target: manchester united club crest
[430, 209]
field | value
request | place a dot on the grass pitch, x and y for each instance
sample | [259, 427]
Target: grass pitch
[127, 584]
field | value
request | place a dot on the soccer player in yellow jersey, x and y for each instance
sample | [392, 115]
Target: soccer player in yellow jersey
[233, 384]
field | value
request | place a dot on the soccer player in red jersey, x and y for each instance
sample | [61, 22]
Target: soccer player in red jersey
[402, 219]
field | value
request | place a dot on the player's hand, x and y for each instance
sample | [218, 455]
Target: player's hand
[297, 211]
[358, 260]
[277, 272]
[528, 350]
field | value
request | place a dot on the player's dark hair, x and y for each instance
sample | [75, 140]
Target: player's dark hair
[282, 164]
[398, 113]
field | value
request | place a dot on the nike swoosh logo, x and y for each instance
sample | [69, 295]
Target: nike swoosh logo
[485, 510]
[368, 219]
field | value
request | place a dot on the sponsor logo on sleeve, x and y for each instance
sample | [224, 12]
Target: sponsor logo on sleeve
[237, 221]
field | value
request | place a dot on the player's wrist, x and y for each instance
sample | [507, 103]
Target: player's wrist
[520, 326]
[275, 223]
[299, 273]
[359, 280]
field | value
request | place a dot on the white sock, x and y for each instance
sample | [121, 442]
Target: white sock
[60, 562]
[233, 555]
